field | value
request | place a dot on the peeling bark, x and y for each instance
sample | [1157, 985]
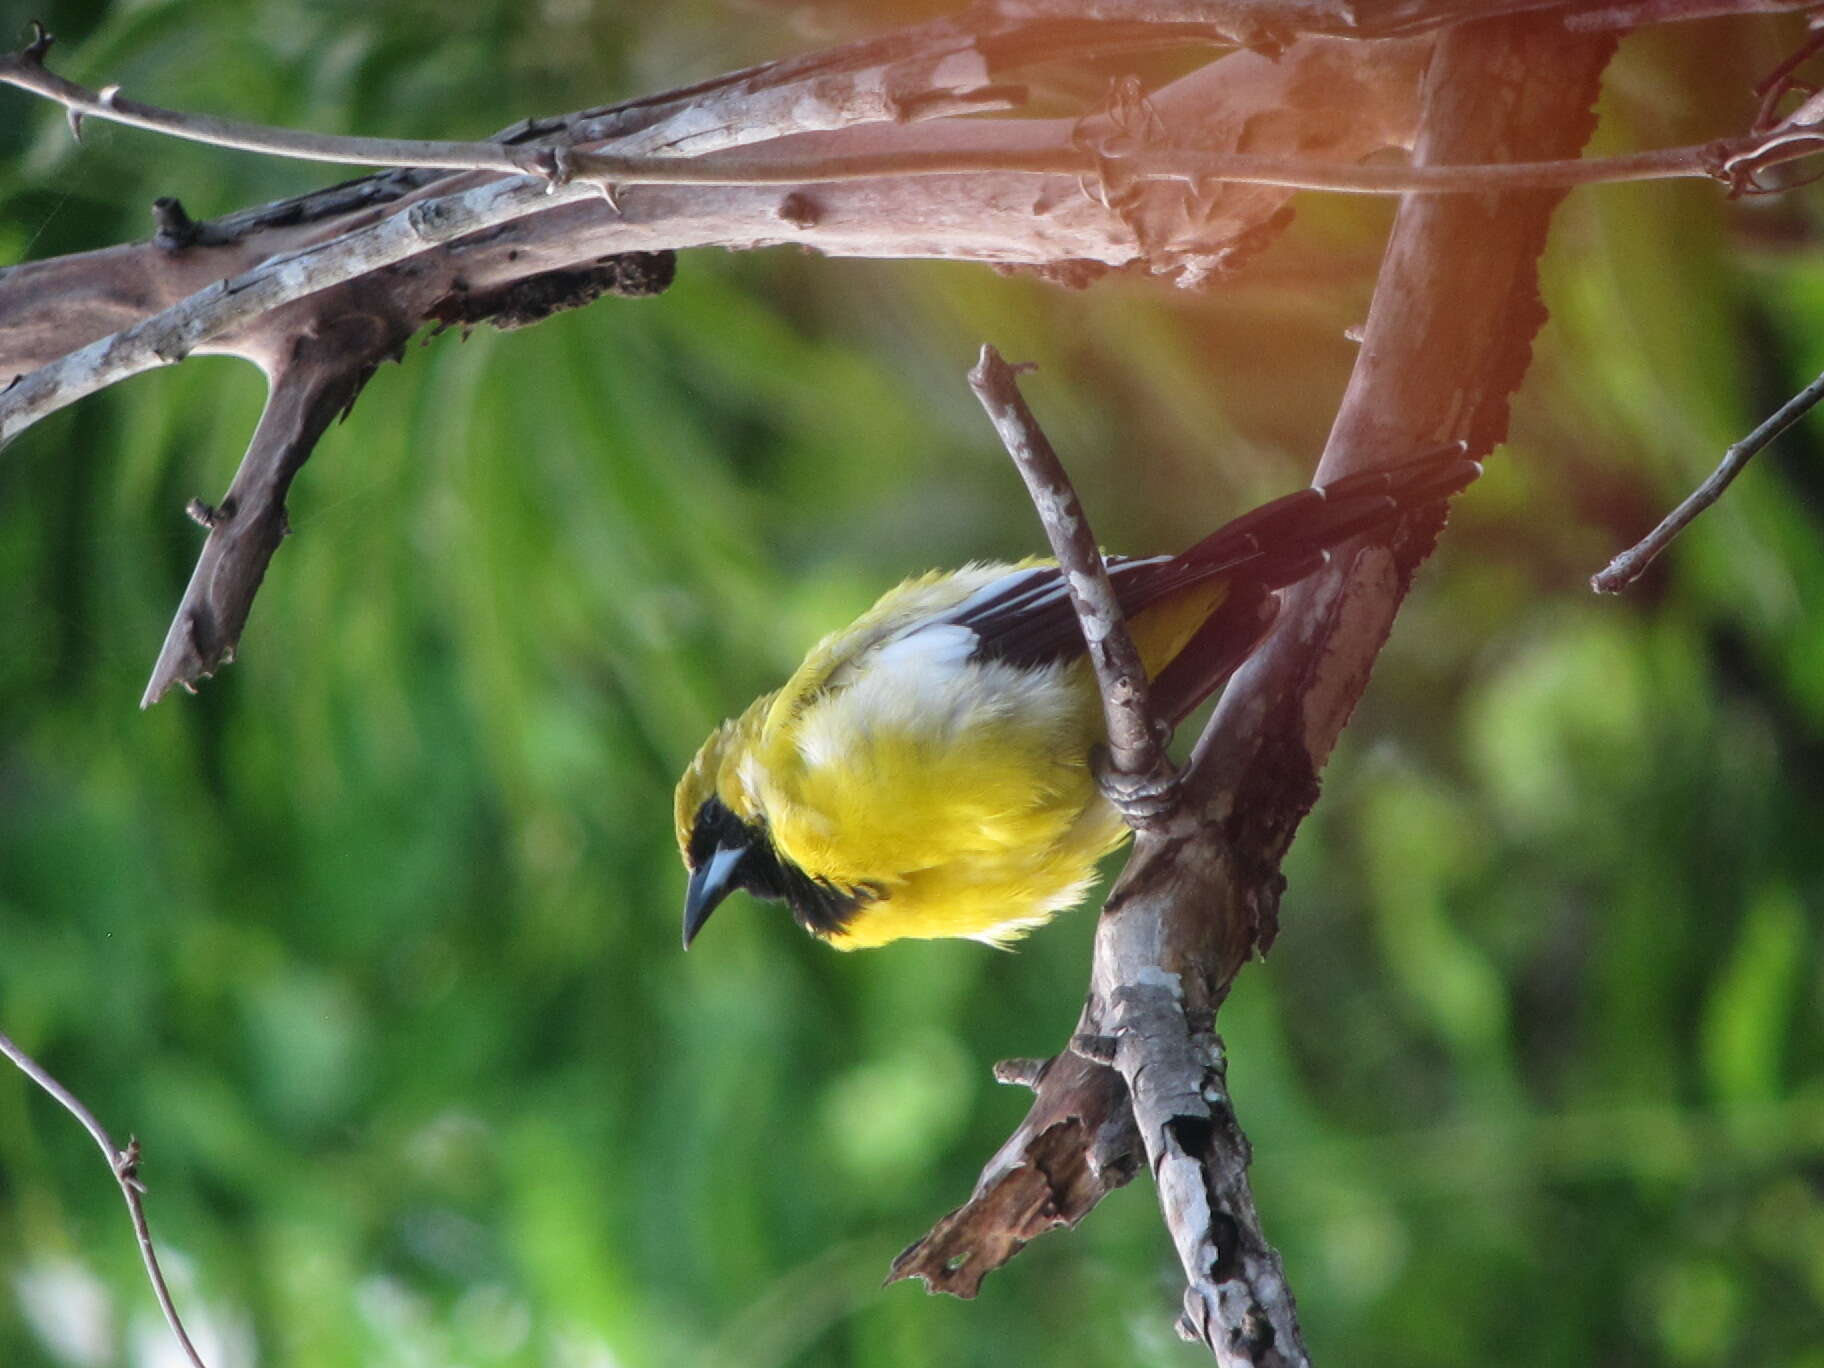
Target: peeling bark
[409, 247]
[1196, 901]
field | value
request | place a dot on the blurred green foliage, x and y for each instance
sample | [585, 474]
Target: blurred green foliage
[374, 943]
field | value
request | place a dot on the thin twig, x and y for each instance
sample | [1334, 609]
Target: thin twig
[1353, 19]
[1726, 159]
[1632, 563]
[124, 1165]
[960, 86]
[27, 71]
[996, 148]
[1136, 750]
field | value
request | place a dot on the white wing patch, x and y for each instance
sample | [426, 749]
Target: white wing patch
[1041, 582]
[923, 682]
[940, 646]
[925, 686]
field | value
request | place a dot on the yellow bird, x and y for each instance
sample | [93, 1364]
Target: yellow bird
[927, 771]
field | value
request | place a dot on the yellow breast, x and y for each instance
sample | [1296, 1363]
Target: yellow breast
[963, 801]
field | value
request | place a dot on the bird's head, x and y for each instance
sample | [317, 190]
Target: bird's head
[724, 838]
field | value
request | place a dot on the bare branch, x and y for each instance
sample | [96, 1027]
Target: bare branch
[315, 383]
[1076, 1145]
[990, 148]
[903, 78]
[941, 85]
[1460, 278]
[1263, 21]
[1592, 16]
[1136, 748]
[27, 71]
[1002, 148]
[124, 1165]
[1632, 563]
[188, 327]
[994, 149]
[1007, 148]
[999, 223]
[1236, 1297]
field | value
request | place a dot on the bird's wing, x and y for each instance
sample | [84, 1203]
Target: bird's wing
[1025, 617]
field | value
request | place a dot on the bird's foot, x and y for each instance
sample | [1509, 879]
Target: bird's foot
[1145, 798]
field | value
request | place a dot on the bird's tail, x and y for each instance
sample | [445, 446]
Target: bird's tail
[1282, 542]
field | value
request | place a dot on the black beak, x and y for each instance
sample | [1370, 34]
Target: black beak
[710, 883]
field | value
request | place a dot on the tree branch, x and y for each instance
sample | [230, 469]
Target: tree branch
[1261, 21]
[1076, 1145]
[26, 70]
[319, 380]
[1631, 564]
[1237, 1300]
[941, 86]
[413, 256]
[1136, 746]
[1460, 279]
[189, 325]
[427, 222]
[994, 149]
[124, 1165]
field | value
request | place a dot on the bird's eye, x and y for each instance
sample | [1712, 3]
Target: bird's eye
[702, 840]
[716, 828]
[702, 844]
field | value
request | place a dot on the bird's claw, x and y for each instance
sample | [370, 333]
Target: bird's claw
[1143, 798]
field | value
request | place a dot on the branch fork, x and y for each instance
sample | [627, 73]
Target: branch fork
[124, 1165]
[1140, 1026]
[1135, 771]
[1460, 278]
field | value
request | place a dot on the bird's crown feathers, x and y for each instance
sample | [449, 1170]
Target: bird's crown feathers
[716, 772]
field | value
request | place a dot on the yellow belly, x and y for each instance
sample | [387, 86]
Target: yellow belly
[992, 899]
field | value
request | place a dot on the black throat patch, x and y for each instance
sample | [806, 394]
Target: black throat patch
[817, 905]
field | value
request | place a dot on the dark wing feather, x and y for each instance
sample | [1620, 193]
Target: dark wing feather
[1026, 618]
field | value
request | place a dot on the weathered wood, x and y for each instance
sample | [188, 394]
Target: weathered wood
[1076, 1145]
[1460, 281]
[1448, 340]
[410, 247]
[1264, 21]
